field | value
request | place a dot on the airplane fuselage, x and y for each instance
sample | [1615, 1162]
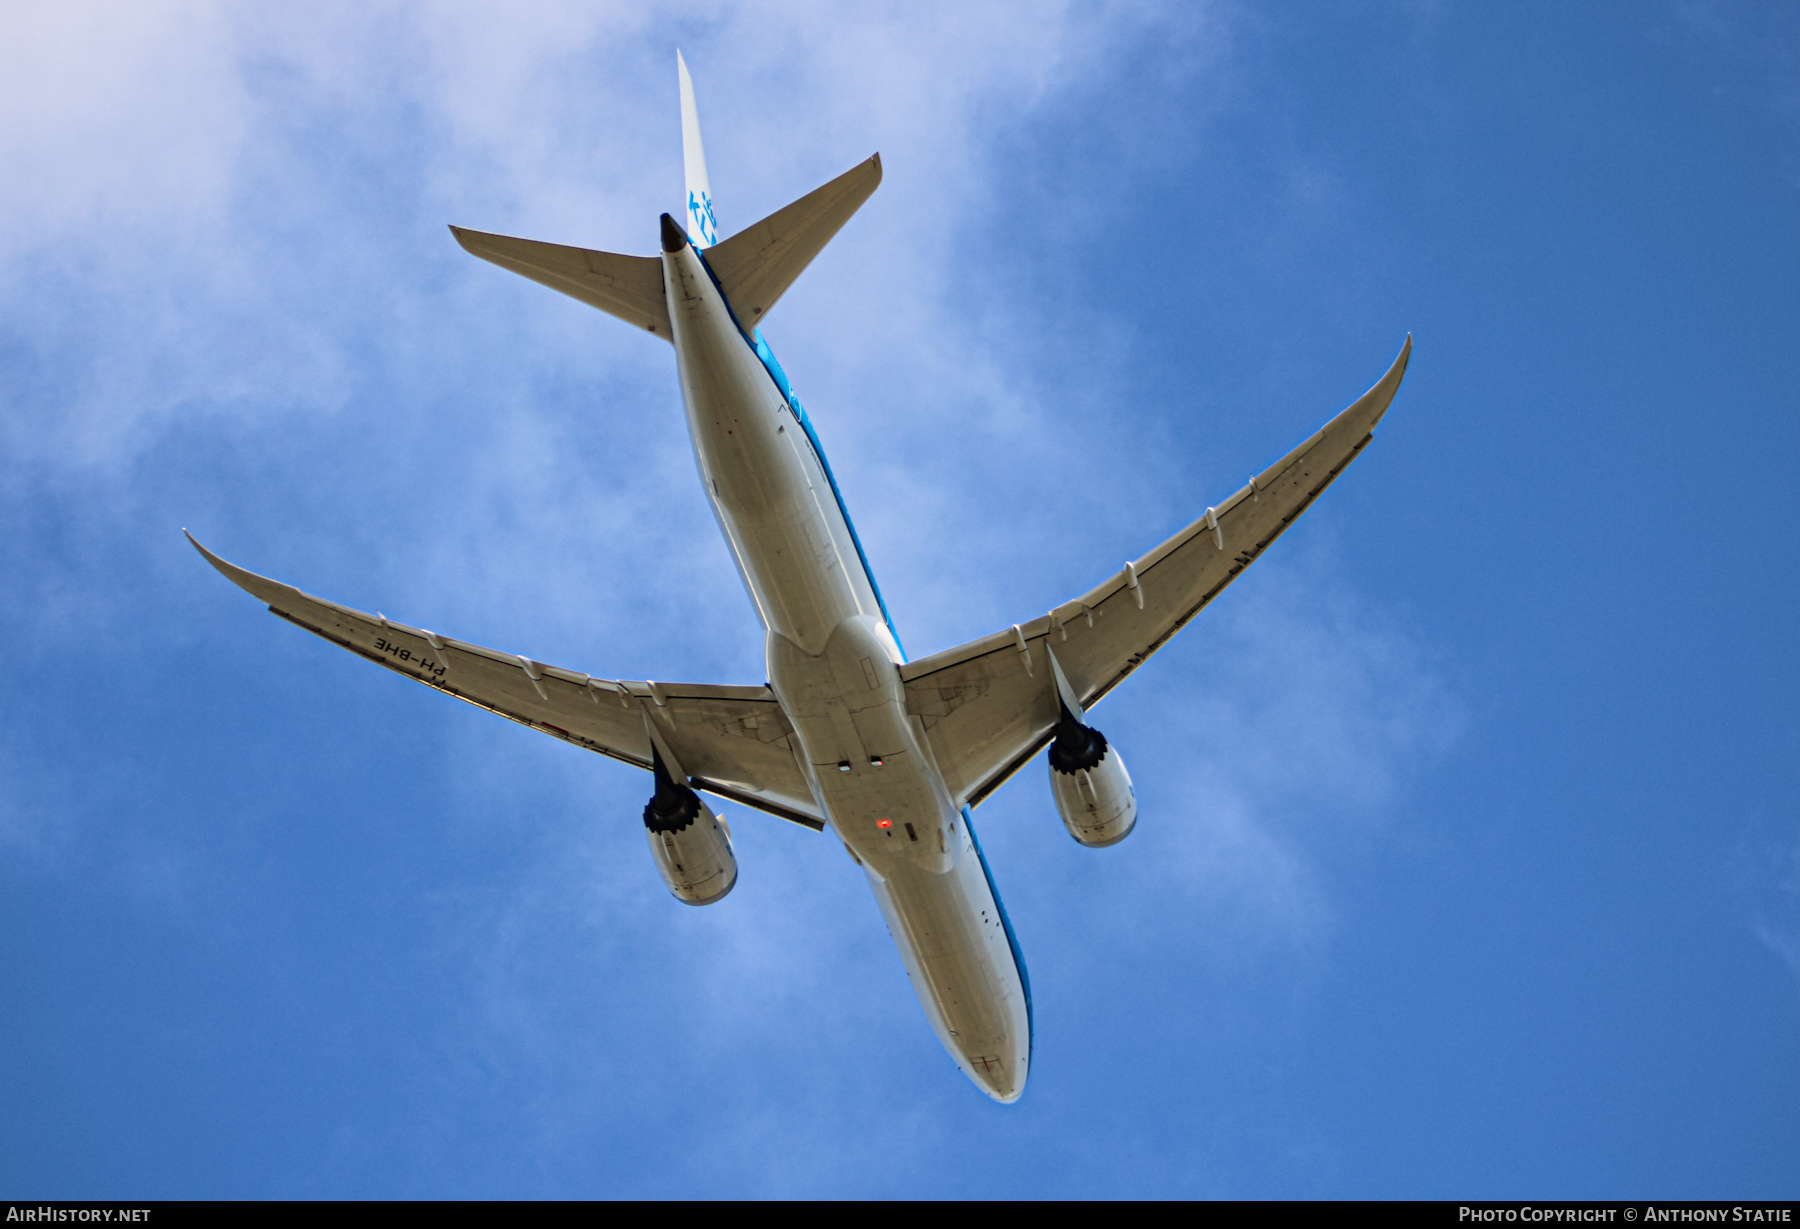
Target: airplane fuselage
[834, 664]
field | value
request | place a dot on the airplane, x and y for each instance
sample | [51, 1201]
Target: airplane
[891, 754]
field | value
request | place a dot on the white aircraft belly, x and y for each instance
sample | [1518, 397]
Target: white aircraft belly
[952, 939]
[745, 443]
[840, 687]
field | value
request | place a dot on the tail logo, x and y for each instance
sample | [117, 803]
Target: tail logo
[702, 224]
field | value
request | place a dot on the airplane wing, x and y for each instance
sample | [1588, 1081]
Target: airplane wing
[734, 742]
[991, 705]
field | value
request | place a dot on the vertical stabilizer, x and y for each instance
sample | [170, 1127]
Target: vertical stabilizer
[701, 223]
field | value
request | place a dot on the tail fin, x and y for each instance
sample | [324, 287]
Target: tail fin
[702, 224]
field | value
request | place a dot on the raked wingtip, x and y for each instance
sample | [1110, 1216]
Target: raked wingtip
[256, 586]
[224, 569]
[1390, 383]
[1367, 410]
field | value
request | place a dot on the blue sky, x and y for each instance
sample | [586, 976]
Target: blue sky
[1469, 859]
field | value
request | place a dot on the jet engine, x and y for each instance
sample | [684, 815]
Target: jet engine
[690, 845]
[1093, 790]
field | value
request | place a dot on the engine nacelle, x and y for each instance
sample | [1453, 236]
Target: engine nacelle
[690, 845]
[1093, 791]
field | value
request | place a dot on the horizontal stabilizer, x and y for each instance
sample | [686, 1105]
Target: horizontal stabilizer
[629, 287]
[757, 265]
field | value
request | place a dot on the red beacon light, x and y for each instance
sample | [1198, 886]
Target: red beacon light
[884, 823]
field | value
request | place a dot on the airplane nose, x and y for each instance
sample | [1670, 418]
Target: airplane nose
[1001, 1088]
[1003, 1082]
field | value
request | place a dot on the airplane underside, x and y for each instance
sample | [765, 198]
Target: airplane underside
[891, 755]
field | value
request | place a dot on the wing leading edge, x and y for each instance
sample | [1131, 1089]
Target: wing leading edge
[990, 705]
[734, 742]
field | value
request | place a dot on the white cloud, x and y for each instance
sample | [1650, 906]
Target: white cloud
[169, 172]
[115, 115]
[1777, 881]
